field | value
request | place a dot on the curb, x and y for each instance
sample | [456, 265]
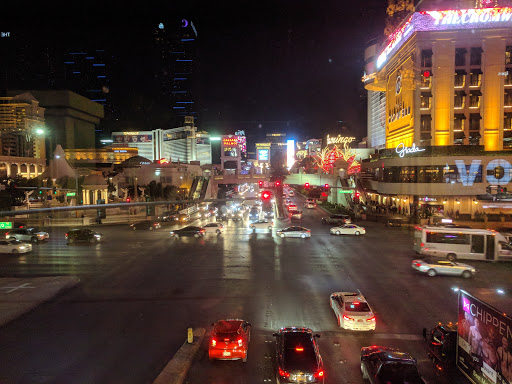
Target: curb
[175, 372]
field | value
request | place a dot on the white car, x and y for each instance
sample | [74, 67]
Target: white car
[291, 193]
[348, 229]
[294, 232]
[295, 215]
[262, 224]
[352, 311]
[310, 205]
[14, 246]
[216, 228]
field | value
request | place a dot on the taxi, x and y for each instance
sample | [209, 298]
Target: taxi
[230, 340]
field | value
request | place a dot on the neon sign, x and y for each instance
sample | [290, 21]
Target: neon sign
[340, 140]
[445, 20]
[290, 153]
[229, 141]
[402, 150]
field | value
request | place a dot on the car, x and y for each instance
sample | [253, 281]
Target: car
[230, 340]
[294, 232]
[287, 202]
[298, 356]
[310, 204]
[168, 216]
[183, 218]
[237, 215]
[292, 207]
[213, 211]
[216, 228]
[347, 229]
[380, 365]
[352, 311]
[291, 193]
[295, 215]
[262, 224]
[83, 235]
[337, 219]
[27, 234]
[203, 214]
[433, 266]
[188, 232]
[14, 246]
[268, 214]
[147, 224]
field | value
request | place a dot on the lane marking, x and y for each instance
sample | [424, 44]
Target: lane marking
[12, 289]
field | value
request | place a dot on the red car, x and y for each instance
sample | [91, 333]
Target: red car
[230, 340]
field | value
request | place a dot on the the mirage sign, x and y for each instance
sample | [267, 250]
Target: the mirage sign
[484, 340]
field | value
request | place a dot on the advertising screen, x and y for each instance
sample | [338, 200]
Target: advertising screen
[290, 153]
[263, 154]
[133, 138]
[484, 340]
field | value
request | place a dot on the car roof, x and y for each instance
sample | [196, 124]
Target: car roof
[351, 296]
[228, 325]
[392, 354]
[295, 329]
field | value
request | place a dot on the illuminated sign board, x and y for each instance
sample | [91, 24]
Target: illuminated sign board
[242, 142]
[445, 20]
[340, 140]
[230, 141]
[5, 225]
[71, 194]
[132, 137]
[263, 154]
[402, 150]
[290, 153]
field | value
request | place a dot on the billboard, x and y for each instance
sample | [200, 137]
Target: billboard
[132, 138]
[263, 154]
[230, 141]
[484, 340]
[290, 153]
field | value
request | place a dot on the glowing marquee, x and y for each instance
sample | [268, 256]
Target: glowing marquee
[402, 150]
[327, 156]
[445, 20]
[230, 141]
[340, 140]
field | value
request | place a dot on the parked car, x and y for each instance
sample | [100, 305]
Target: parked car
[348, 229]
[432, 266]
[230, 340]
[83, 235]
[216, 228]
[294, 232]
[32, 235]
[380, 365]
[188, 232]
[298, 356]
[14, 246]
[336, 219]
[147, 224]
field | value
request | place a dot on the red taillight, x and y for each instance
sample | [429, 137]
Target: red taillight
[319, 373]
[345, 317]
[239, 342]
[66, 235]
[417, 264]
[299, 349]
[371, 319]
[422, 244]
[214, 342]
[283, 373]
[202, 231]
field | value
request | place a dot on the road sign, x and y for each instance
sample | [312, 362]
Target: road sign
[5, 225]
[345, 191]
[71, 194]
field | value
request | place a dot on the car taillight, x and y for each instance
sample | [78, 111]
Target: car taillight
[422, 244]
[283, 373]
[202, 231]
[417, 264]
[239, 342]
[345, 317]
[371, 319]
[214, 342]
[299, 349]
[319, 373]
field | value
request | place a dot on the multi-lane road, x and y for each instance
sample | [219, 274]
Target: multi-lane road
[141, 290]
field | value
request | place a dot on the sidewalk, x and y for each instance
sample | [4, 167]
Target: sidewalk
[21, 295]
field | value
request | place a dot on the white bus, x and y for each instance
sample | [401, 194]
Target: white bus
[462, 243]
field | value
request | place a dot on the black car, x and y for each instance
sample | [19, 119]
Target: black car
[298, 357]
[337, 219]
[380, 365]
[168, 216]
[189, 231]
[83, 235]
[254, 214]
[147, 224]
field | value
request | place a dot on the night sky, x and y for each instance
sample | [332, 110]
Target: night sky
[265, 62]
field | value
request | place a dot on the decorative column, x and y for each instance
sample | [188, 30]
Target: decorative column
[36, 170]
[105, 191]
[19, 168]
[84, 194]
[8, 168]
[28, 171]
[95, 196]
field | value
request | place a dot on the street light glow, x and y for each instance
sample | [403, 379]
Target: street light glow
[39, 131]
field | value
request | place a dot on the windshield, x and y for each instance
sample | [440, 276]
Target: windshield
[357, 307]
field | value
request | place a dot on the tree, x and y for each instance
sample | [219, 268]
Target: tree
[170, 192]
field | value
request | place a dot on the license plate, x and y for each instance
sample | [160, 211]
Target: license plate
[360, 320]
[226, 353]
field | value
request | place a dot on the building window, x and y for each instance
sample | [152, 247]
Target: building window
[459, 122]
[508, 55]
[426, 80]
[451, 174]
[426, 98]
[508, 76]
[474, 137]
[475, 78]
[458, 138]
[507, 122]
[474, 122]
[474, 99]
[426, 58]
[507, 101]
[476, 56]
[407, 174]
[460, 57]
[425, 130]
[432, 174]
[460, 79]
[459, 100]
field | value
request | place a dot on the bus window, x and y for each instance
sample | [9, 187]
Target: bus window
[489, 254]
[477, 244]
[448, 238]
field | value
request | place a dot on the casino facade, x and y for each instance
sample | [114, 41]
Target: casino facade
[440, 113]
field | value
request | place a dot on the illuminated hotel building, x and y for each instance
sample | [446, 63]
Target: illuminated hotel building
[446, 79]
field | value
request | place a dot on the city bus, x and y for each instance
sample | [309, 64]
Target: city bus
[462, 243]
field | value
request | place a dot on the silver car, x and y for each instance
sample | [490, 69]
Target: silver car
[433, 266]
[294, 232]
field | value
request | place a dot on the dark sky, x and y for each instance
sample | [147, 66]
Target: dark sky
[268, 61]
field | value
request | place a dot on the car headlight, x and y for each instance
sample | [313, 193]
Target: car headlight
[97, 236]
[22, 247]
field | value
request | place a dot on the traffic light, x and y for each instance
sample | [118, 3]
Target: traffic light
[54, 190]
[306, 185]
[326, 186]
[278, 183]
[128, 199]
[356, 197]
[265, 195]
[260, 184]
[40, 192]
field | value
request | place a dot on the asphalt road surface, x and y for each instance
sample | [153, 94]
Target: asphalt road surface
[141, 290]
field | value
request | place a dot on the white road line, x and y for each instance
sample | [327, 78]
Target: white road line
[12, 289]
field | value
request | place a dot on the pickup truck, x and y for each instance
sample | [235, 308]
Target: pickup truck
[380, 365]
[336, 219]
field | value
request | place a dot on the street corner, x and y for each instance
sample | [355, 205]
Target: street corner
[19, 295]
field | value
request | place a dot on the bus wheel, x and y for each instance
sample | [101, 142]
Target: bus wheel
[466, 274]
[451, 256]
